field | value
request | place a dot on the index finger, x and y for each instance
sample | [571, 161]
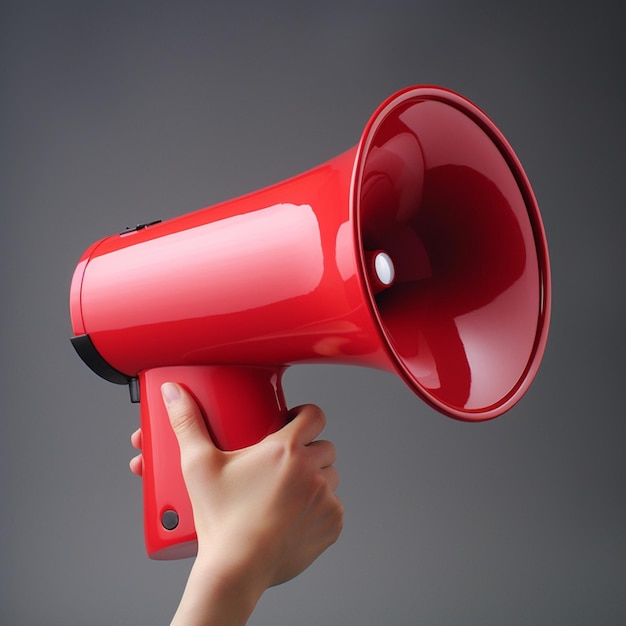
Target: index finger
[307, 422]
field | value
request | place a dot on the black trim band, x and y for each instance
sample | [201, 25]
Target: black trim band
[92, 358]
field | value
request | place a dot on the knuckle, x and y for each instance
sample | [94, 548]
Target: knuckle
[183, 420]
[317, 415]
[275, 449]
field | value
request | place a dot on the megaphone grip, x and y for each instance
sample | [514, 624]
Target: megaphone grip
[241, 406]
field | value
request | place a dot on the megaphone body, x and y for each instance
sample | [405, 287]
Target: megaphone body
[420, 252]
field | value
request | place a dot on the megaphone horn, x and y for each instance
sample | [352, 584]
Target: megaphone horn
[420, 251]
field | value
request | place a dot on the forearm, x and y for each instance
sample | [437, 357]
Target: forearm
[213, 599]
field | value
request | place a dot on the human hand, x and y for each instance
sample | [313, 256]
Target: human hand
[262, 514]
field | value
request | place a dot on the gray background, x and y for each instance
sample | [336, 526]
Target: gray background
[114, 113]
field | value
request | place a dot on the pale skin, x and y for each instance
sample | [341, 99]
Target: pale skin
[262, 514]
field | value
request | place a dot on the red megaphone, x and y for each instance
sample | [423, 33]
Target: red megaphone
[420, 251]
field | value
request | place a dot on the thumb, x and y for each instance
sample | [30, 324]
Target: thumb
[186, 419]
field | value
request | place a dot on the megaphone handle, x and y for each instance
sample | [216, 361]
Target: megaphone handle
[241, 406]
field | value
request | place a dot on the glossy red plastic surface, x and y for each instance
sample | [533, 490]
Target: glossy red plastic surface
[241, 406]
[283, 276]
[442, 191]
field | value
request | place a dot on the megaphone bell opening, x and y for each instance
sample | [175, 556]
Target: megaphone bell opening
[459, 270]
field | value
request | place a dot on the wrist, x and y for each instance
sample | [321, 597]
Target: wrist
[218, 594]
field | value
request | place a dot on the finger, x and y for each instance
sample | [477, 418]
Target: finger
[136, 465]
[186, 419]
[323, 452]
[307, 422]
[332, 477]
[135, 439]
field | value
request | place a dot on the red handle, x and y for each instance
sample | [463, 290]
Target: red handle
[241, 406]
